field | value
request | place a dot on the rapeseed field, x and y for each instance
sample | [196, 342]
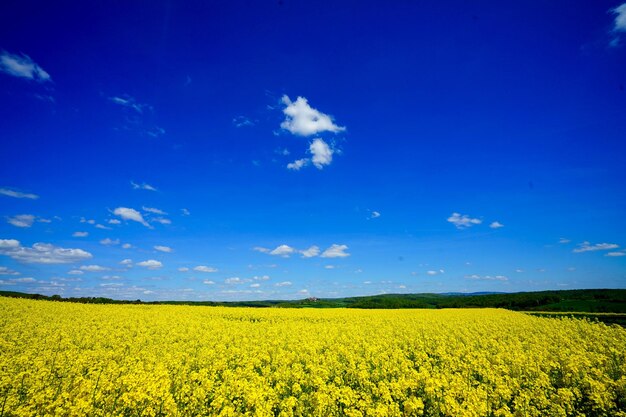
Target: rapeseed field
[63, 359]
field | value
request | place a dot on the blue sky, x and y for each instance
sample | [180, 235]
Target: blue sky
[280, 150]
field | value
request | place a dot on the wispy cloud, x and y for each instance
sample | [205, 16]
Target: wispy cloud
[588, 247]
[7, 271]
[93, 268]
[301, 119]
[615, 254]
[109, 242]
[204, 268]
[298, 164]
[142, 186]
[161, 220]
[153, 210]
[165, 249]
[374, 215]
[130, 103]
[17, 194]
[487, 277]
[22, 66]
[283, 284]
[620, 18]
[242, 121]
[564, 240]
[463, 221]
[310, 252]
[130, 214]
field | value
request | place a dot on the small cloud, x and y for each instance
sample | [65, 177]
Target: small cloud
[183, 269]
[76, 272]
[564, 240]
[329, 266]
[130, 214]
[463, 221]
[22, 66]
[83, 220]
[80, 234]
[310, 252]
[261, 249]
[374, 215]
[100, 226]
[161, 220]
[7, 271]
[127, 246]
[620, 18]
[27, 280]
[110, 277]
[322, 153]
[142, 186]
[165, 249]
[297, 164]
[17, 194]
[242, 121]
[282, 151]
[335, 251]
[255, 285]
[153, 210]
[233, 280]
[283, 284]
[21, 220]
[261, 278]
[301, 119]
[185, 212]
[41, 253]
[208, 282]
[114, 221]
[615, 254]
[130, 103]
[155, 132]
[204, 268]
[150, 264]
[282, 250]
[519, 270]
[126, 262]
[496, 225]
[487, 277]
[93, 268]
[432, 272]
[109, 242]
[588, 247]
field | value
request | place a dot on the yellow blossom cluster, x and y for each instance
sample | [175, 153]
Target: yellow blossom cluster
[63, 359]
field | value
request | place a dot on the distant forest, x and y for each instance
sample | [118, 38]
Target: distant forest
[590, 301]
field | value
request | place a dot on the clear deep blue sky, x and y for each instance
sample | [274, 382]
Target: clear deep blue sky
[253, 150]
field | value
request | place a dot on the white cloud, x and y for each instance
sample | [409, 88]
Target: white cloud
[127, 246]
[126, 262]
[564, 240]
[6, 271]
[463, 221]
[335, 251]
[17, 194]
[109, 242]
[183, 269]
[620, 18]
[310, 252]
[283, 284]
[519, 270]
[204, 268]
[110, 277]
[130, 103]
[432, 272]
[41, 253]
[153, 210]
[615, 254]
[130, 214]
[282, 250]
[329, 266]
[22, 66]
[301, 119]
[185, 212]
[208, 282]
[261, 249]
[496, 225]
[255, 285]
[93, 268]
[297, 164]
[21, 220]
[161, 220]
[150, 264]
[83, 220]
[27, 280]
[165, 249]
[588, 247]
[374, 215]
[261, 278]
[487, 277]
[75, 272]
[322, 153]
[80, 234]
[114, 221]
[233, 280]
[100, 226]
[142, 186]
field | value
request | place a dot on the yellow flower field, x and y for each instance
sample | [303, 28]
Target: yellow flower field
[67, 359]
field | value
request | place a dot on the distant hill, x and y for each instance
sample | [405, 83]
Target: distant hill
[591, 301]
